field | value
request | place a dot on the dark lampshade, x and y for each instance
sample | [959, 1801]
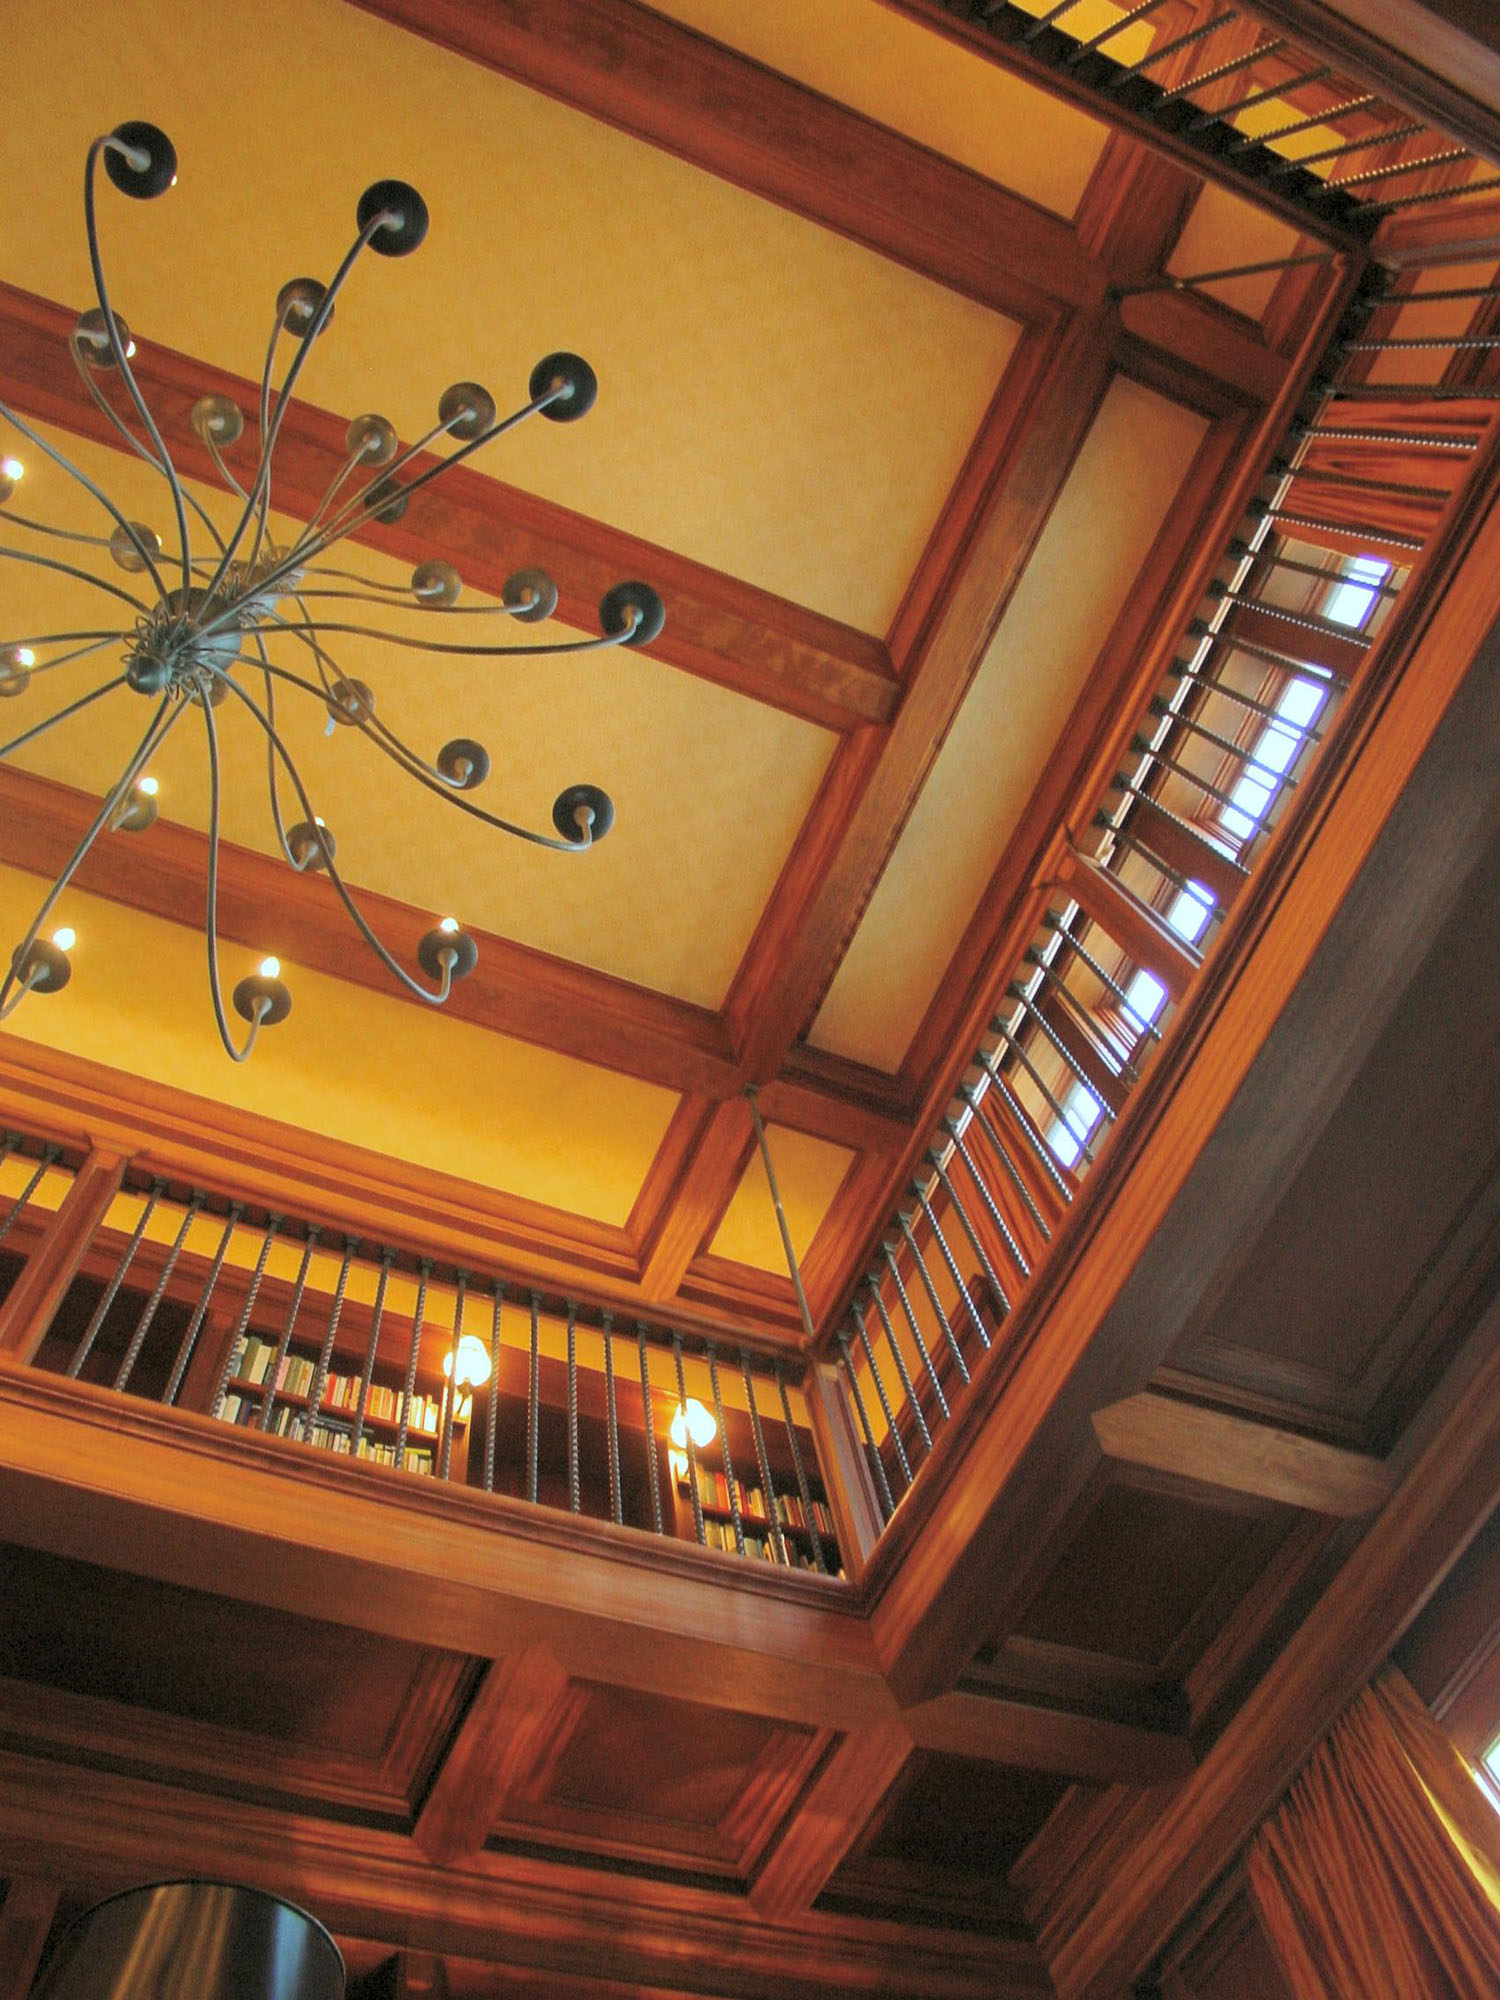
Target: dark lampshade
[195, 1941]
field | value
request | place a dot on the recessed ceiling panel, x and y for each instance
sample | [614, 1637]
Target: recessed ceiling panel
[1132, 464]
[348, 1063]
[809, 1173]
[767, 399]
[919, 84]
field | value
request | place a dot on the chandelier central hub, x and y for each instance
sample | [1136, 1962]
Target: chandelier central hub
[185, 644]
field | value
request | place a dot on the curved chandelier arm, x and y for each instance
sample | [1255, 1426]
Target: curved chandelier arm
[78, 653]
[393, 965]
[261, 1006]
[17, 983]
[83, 575]
[15, 520]
[122, 359]
[142, 451]
[51, 721]
[416, 645]
[259, 496]
[128, 528]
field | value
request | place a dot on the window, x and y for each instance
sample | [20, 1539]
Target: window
[1272, 753]
[1352, 600]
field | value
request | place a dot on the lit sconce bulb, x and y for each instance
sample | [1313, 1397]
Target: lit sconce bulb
[270, 968]
[449, 926]
[12, 468]
[473, 1363]
[147, 787]
[65, 938]
[693, 1422]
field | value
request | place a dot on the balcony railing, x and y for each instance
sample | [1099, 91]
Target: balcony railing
[310, 1337]
[1298, 617]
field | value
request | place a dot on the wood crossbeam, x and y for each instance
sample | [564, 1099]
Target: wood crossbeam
[719, 628]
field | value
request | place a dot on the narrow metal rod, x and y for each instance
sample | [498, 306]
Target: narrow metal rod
[1233, 749]
[1107, 34]
[992, 1065]
[1019, 994]
[1145, 1026]
[991, 1206]
[1412, 392]
[1033, 28]
[690, 1451]
[533, 1411]
[889, 1255]
[1153, 860]
[164, 1278]
[1387, 137]
[1309, 621]
[1435, 195]
[200, 1311]
[493, 1425]
[788, 1247]
[872, 1455]
[1365, 435]
[616, 1504]
[453, 1389]
[1443, 297]
[377, 1314]
[1142, 747]
[325, 1355]
[424, 1274]
[949, 1259]
[1216, 75]
[1170, 281]
[1212, 686]
[885, 1402]
[1409, 342]
[992, 1276]
[1301, 124]
[904, 1223]
[574, 1495]
[1226, 112]
[1075, 1007]
[762, 1459]
[111, 1290]
[1013, 1174]
[1402, 166]
[648, 1421]
[900, 1360]
[1033, 1138]
[1155, 56]
[724, 1452]
[49, 1158]
[802, 1486]
[1360, 482]
[1289, 663]
[278, 1362]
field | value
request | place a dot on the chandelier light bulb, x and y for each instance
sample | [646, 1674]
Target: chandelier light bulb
[218, 616]
[65, 938]
[695, 1422]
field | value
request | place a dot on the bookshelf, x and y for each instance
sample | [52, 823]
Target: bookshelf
[333, 1430]
[755, 1521]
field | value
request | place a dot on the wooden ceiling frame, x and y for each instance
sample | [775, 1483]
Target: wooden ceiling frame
[893, 701]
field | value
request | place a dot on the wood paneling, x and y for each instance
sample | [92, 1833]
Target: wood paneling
[25, 1920]
[717, 627]
[1216, 1452]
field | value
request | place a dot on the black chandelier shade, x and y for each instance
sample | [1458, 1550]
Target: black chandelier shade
[206, 618]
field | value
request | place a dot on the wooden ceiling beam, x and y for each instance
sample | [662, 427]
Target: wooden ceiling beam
[719, 628]
[750, 125]
[1093, 1749]
[830, 1818]
[506, 1730]
[1220, 1453]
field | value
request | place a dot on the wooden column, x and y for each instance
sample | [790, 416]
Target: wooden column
[37, 1293]
[846, 1473]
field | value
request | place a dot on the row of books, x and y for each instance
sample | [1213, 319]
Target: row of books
[289, 1423]
[252, 1359]
[714, 1491]
[720, 1535]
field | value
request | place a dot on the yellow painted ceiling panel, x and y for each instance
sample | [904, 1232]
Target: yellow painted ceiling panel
[919, 84]
[767, 401]
[710, 787]
[809, 1173]
[1223, 231]
[1120, 492]
[347, 1063]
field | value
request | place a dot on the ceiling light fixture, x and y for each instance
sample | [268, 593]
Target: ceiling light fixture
[205, 629]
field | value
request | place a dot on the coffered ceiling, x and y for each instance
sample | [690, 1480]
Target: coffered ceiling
[903, 471]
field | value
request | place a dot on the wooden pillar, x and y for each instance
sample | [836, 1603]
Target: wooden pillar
[841, 1460]
[37, 1293]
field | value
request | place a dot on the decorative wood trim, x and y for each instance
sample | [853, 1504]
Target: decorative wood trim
[1148, 941]
[704, 1189]
[508, 1727]
[833, 1813]
[747, 124]
[1091, 1748]
[1228, 1454]
[719, 628]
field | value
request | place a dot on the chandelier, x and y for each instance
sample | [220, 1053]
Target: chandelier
[219, 623]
